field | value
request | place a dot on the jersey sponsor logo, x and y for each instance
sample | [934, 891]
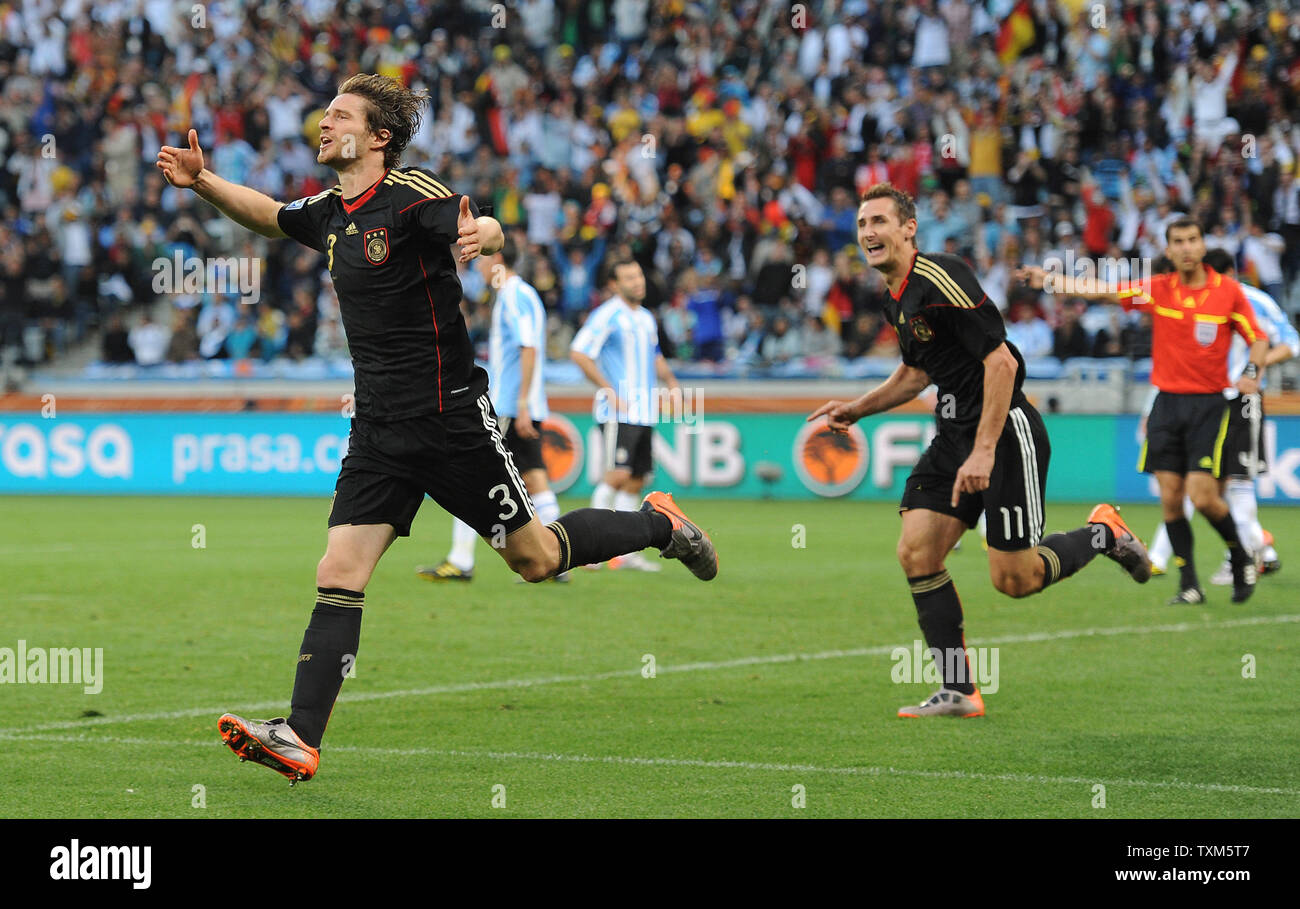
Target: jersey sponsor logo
[459, 391]
[376, 242]
[921, 329]
[351, 229]
[830, 463]
[1206, 332]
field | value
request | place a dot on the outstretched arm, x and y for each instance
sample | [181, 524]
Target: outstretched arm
[903, 385]
[183, 168]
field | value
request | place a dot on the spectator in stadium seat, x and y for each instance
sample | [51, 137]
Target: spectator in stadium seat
[115, 346]
[1028, 330]
[242, 338]
[1070, 339]
[1263, 252]
[148, 341]
[818, 340]
[782, 343]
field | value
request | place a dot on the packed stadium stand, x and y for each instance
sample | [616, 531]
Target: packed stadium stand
[724, 144]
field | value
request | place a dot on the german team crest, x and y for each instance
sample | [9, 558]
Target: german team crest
[376, 245]
[921, 329]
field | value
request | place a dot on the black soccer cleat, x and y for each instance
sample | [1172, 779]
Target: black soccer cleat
[1188, 596]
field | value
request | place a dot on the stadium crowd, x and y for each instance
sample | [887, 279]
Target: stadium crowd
[724, 144]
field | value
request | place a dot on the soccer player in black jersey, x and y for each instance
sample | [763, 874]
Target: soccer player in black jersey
[424, 423]
[989, 456]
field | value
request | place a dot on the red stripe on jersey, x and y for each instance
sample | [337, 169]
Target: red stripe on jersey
[418, 202]
[365, 196]
[434, 313]
[902, 287]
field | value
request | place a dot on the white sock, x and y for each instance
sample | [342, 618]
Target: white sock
[1245, 512]
[463, 541]
[546, 507]
[1161, 549]
[603, 496]
[626, 501]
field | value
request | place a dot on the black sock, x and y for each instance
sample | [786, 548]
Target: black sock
[329, 648]
[1180, 538]
[590, 535]
[1227, 529]
[1065, 553]
[938, 611]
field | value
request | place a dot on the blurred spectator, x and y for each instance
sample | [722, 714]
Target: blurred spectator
[116, 348]
[184, 343]
[148, 341]
[1070, 339]
[1028, 330]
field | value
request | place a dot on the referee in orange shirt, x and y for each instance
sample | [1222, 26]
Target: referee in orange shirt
[1194, 311]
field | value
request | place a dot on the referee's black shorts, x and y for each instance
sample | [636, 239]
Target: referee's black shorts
[459, 458]
[1243, 448]
[1013, 503]
[1186, 433]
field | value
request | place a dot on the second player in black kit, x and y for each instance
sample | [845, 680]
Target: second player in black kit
[946, 327]
[980, 461]
[417, 389]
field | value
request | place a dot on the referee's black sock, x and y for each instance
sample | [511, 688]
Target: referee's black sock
[1227, 529]
[1180, 539]
[328, 651]
[591, 535]
[1065, 553]
[938, 612]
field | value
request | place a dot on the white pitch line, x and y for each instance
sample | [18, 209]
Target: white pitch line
[458, 687]
[621, 760]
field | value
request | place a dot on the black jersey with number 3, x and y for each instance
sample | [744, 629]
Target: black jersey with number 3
[946, 326]
[389, 253]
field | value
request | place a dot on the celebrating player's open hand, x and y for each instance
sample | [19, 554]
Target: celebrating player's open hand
[467, 227]
[840, 415]
[973, 476]
[181, 166]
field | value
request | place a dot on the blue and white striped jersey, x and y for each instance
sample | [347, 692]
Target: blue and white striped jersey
[1274, 323]
[624, 342]
[518, 320]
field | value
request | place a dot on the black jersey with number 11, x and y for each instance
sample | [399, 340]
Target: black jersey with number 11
[946, 326]
[389, 253]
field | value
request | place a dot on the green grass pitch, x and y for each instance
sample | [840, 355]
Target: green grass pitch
[773, 694]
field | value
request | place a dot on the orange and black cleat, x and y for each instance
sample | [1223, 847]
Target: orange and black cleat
[688, 543]
[272, 744]
[1128, 550]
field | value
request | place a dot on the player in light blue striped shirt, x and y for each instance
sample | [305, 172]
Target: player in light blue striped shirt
[516, 362]
[1244, 452]
[617, 348]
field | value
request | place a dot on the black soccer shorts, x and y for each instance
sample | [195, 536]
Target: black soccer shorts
[1186, 433]
[526, 452]
[1243, 447]
[627, 447]
[459, 458]
[1013, 503]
